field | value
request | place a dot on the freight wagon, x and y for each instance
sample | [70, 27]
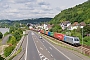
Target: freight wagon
[69, 39]
[51, 34]
[59, 36]
[42, 31]
[46, 33]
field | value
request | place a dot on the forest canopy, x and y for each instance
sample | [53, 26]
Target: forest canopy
[78, 13]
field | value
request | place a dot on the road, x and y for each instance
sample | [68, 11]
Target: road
[40, 49]
[5, 39]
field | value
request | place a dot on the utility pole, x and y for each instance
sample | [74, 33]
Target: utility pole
[82, 40]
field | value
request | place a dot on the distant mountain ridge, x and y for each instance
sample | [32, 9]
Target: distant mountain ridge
[78, 13]
[33, 21]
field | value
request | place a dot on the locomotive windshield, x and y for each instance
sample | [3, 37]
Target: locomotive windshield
[76, 39]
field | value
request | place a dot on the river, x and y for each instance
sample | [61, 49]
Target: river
[4, 30]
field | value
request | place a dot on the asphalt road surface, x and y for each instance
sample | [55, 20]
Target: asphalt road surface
[5, 39]
[31, 49]
[40, 49]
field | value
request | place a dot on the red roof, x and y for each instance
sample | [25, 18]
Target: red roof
[75, 24]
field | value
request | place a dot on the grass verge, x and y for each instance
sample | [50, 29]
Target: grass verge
[18, 51]
[0, 42]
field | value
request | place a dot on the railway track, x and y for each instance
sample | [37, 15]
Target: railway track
[80, 49]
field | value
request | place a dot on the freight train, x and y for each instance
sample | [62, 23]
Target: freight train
[62, 37]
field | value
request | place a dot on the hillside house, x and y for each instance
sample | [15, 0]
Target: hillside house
[75, 25]
[65, 24]
[49, 26]
[45, 27]
[82, 24]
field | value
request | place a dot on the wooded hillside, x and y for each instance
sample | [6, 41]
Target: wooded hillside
[78, 13]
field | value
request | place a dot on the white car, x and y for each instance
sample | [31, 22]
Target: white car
[40, 37]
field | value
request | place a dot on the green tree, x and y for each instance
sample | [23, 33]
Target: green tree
[86, 40]
[1, 35]
[17, 24]
[86, 30]
[56, 28]
[12, 40]
[6, 33]
[8, 50]
[88, 0]
[20, 31]
[76, 13]
[12, 29]
[17, 35]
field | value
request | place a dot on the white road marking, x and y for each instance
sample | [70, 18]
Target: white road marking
[46, 49]
[36, 48]
[41, 55]
[37, 41]
[26, 49]
[50, 48]
[58, 50]
[54, 59]
[43, 45]
[51, 55]
[48, 52]
[32, 33]
[41, 48]
[45, 59]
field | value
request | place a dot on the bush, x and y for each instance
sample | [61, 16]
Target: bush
[12, 29]
[1, 35]
[6, 33]
[86, 40]
[8, 50]
[1, 58]
[12, 40]
[17, 35]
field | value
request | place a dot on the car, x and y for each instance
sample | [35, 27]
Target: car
[40, 37]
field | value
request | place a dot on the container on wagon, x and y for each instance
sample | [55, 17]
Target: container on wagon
[52, 34]
[41, 31]
[48, 33]
[59, 36]
[55, 34]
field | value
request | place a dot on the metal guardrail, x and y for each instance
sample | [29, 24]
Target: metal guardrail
[16, 48]
[18, 45]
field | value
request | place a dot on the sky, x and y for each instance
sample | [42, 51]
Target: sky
[27, 9]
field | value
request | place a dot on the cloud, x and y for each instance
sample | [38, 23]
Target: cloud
[58, 9]
[24, 1]
[22, 9]
[43, 3]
